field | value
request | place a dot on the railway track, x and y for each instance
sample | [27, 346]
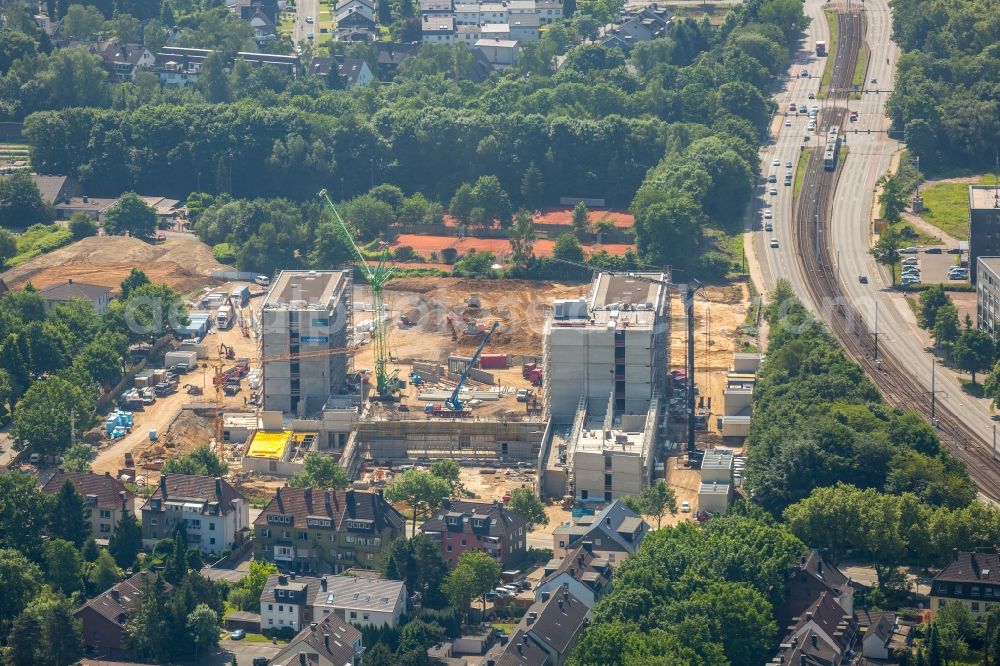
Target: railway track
[810, 232]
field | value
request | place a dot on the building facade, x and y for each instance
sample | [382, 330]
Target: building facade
[314, 530]
[290, 601]
[105, 498]
[971, 579]
[214, 514]
[461, 527]
[97, 295]
[305, 313]
[984, 224]
[614, 533]
[987, 271]
[103, 618]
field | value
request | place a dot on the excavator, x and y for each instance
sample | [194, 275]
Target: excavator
[453, 405]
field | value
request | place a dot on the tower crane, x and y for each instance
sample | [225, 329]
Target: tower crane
[386, 383]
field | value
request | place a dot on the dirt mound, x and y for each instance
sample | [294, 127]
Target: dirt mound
[186, 432]
[182, 264]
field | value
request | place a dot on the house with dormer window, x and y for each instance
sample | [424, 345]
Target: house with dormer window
[460, 527]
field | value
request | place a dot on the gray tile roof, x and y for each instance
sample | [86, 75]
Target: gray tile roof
[116, 604]
[966, 567]
[70, 289]
[499, 521]
[196, 489]
[106, 487]
[328, 642]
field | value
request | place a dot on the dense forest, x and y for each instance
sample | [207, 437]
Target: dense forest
[947, 96]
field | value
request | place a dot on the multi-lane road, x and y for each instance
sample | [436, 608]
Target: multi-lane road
[846, 241]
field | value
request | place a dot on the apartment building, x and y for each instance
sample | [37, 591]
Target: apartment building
[580, 572]
[987, 272]
[214, 514]
[105, 498]
[305, 316]
[460, 527]
[615, 533]
[971, 579]
[290, 601]
[313, 530]
[984, 224]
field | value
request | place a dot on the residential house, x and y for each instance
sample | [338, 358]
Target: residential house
[264, 29]
[103, 618]
[105, 498]
[390, 56]
[353, 35]
[353, 71]
[498, 52]
[356, 18]
[644, 25]
[364, 7]
[180, 66]
[288, 64]
[215, 515]
[614, 533]
[546, 635]
[313, 530]
[331, 642]
[523, 27]
[882, 634]
[972, 579]
[460, 527]
[290, 601]
[438, 29]
[93, 207]
[95, 294]
[809, 578]
[468, 35]
[824, 633]
[493, 12]
[466, 13]
[548, 11]
[124, 61]
[56, 189]
[581, 573]
[613, 40]
[437, 7]
[246, 9]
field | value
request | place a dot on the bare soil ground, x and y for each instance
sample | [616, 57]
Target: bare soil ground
[106, 260]
[685, 482]
[718, 312]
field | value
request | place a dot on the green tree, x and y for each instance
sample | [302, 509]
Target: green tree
[25, 641]
[462, 203]
[135, 279]
[101, 359]
[63, 566]
[144, 633]
[104, 573]
[25, 511]
[8, 246]
[370, 216]
[931, 300]
[20, 580]
[15, 45]
[213, 81]
[568, 247]
[449, 470]
[334, 81]
[320, 471]
[525, 503]
[656, 500]
[973, 352]
[991, 385]
[886, 250]
[43, 417]
[491, 197]
[581, 218]
[946, 329]
[21, 203]
[131, 215]
[421, 490]
[248, 590]
[126, 540]
[203, 628]
[82, 21]
[522, 236]
[69, 519]
[82, 226]
[460, 587]
[200, 462]
[892, 198]
[125, 27]
[532, 186]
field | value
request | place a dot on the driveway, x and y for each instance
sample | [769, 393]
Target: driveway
[244, 651]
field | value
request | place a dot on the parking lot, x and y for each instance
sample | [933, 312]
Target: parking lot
[245, 652]
[934, 267]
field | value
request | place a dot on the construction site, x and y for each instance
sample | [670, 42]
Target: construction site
[579, 391]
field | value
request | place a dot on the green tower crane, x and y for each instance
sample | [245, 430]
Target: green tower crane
[386, 383]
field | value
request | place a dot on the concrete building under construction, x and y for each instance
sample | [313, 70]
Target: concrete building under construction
[305, 315]
[605, 372]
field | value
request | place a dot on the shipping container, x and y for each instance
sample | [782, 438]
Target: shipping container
[186, 357]
[493, 361]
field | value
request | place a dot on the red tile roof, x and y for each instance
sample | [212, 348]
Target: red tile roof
[104, 486]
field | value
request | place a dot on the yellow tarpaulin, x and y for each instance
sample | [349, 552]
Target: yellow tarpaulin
[268, 444]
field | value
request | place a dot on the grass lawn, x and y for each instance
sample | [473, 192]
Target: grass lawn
[860, 70]
[800, 171]
[37, 240]
[506, 627]
[732, 247]
[831, 50]
[946, 206]
[918, 236]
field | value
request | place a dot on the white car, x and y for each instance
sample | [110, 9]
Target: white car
[775, 162]
[768, 214]
[774, 243]
[788, 123]
[773, 191]
[910, 261]
[685, 507]
[309, 19]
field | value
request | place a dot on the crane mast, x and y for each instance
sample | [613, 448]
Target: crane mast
[386, 383]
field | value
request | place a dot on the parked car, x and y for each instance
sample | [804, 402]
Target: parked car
[522, 395]
[812, 95]
[685, 507]
[910, 261]
[788, 164]
[954, 250]
[863, 279]
[768, 214]
[238, 635]
[768, 227]
[933, 250]
[788, 123]
[262, 280]
[774, 243]
[908, 250]
[773, 191]
[775, 162]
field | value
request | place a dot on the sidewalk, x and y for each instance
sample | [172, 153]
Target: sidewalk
[921, 225]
